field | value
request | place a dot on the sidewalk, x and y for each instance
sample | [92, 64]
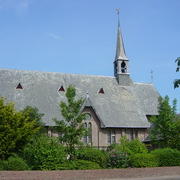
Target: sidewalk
[159, 173]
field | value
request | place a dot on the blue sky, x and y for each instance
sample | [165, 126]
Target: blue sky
[79, 36]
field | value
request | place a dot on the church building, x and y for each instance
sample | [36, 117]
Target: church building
[114, 106]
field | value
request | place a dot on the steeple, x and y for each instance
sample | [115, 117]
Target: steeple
[120, 51]
[121, 69]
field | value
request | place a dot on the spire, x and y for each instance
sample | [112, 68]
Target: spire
[121, 67]
[120, 51]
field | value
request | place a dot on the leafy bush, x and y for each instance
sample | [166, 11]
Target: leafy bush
[16, 128]
[2, 165]
[118, 160]
[136, 146]
[143, 160]
[119, 153]
[44, 153]
[94, 155]
[167, 156]
[128, 147]
[14, 163]
[79, 164]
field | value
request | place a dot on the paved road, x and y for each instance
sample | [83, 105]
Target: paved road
[149, 178]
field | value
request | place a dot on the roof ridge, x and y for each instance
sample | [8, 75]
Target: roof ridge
[144, 83]
[36, 71]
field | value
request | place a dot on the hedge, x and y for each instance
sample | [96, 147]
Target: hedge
[2, 165]
[118, 160]
[14, 163]
[167, 156]
[143, 160]
[94, 155]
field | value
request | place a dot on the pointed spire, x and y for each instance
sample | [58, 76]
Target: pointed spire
[120, 50]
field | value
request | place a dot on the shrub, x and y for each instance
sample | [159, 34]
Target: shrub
[94, 155]
[2, 165]
[119, 153]
[79, 164]
[118, 160]
[136, 146]
[15, 163]
[44, 153]
[143, 160]
[128, 147]
[167, 156]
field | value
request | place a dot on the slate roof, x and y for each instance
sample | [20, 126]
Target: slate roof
[119, 106]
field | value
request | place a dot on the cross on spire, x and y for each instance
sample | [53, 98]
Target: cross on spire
[117, 11]
[152, 76]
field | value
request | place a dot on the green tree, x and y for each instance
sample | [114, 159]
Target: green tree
[71, 127]
[33, 114]
[177, 81]
[16, 128]
[165, 129]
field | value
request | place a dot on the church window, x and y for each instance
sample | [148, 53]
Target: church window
[87, 116]
[115, 68]
[111, 137]
[19, 86]
[123, 67]
[131, 134]
[136, 133]
[61, 89]
[87, 139]
[101, 91]
[89, 133]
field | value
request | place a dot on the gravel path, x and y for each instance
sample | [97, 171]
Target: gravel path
[106, 174]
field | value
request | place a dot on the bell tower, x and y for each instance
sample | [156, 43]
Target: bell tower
[121, 62]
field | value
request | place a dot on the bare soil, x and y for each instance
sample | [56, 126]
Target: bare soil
[90, 174]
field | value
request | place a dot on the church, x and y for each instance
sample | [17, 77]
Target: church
[114, 106]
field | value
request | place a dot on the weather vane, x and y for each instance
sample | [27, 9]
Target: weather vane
[152, 76]
[87, 94]
[117, 10]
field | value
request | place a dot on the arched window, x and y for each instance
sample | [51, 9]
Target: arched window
[89, 133]
[123, 67]
[85, 125]
[115, 68]
[87, 139]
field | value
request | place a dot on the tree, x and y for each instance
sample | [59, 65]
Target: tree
[16, 128]
[165, 129]
[177, 81]
[71, 127]
[33, 114]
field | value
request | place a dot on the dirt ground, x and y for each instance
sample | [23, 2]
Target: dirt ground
[90, 174]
